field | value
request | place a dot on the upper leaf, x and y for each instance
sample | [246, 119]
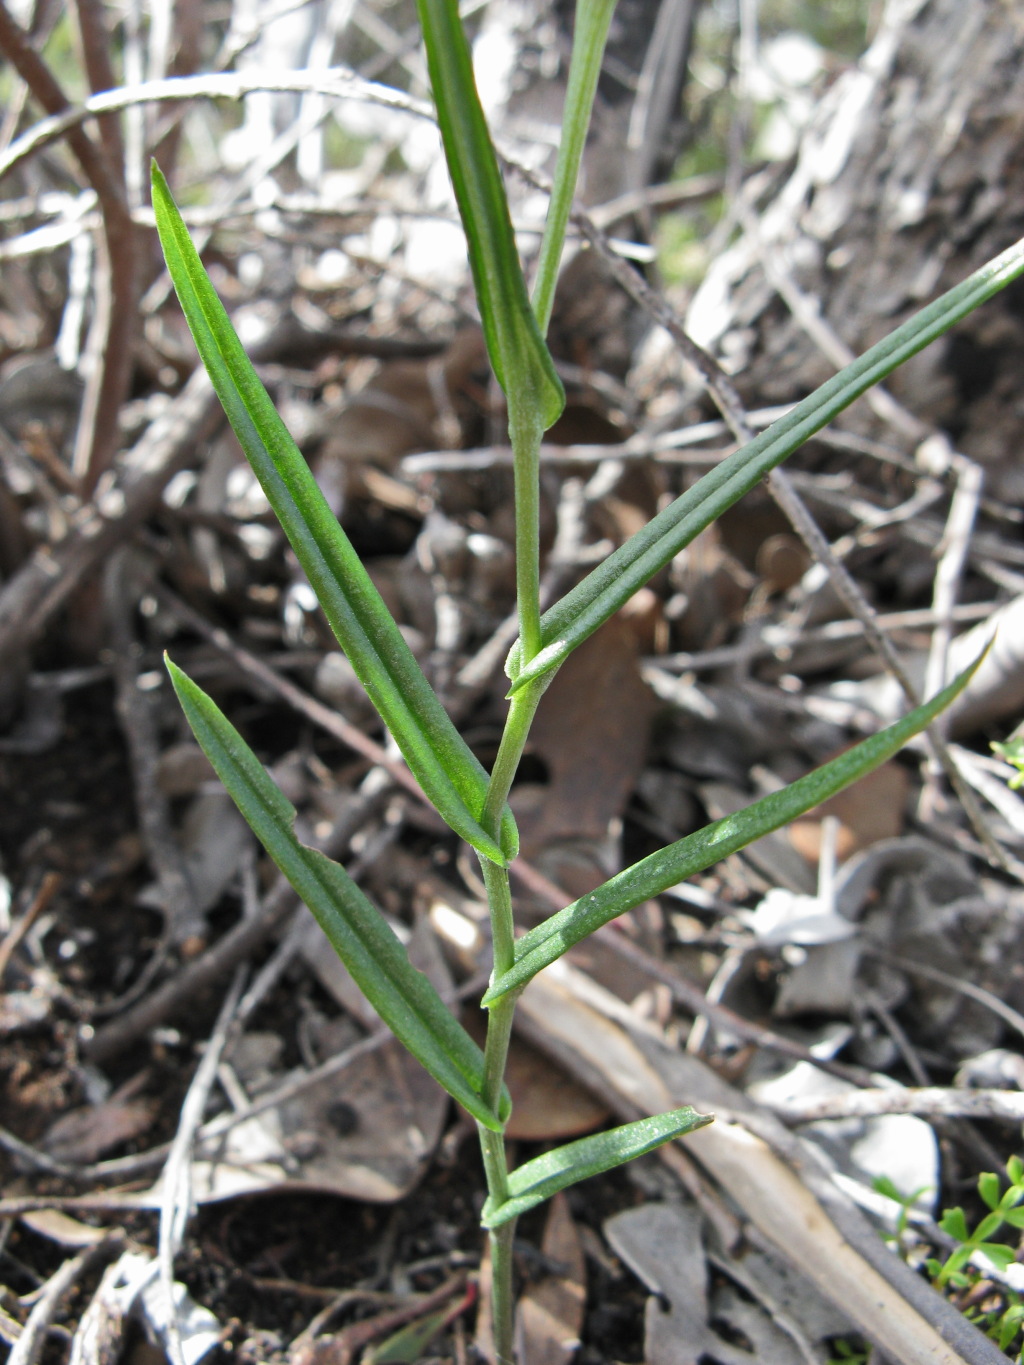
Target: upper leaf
[580, 612]
[518, 353]
[989, 1188]
[402, 996]
[652, 875]
[545, 1175]
[593, 18]
[440, 759]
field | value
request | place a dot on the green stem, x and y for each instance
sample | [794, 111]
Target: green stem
[501, 1290]
[526, 430]
[492, 1147]
[521, 712]
[499, 1020]
[592, 20]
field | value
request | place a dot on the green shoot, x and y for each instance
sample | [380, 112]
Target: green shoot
[1012, 752]
[1004, 1210]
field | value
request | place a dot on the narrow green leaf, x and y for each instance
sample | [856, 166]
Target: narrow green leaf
[520, 358]
[443, 764]
[409, 1344]
[590, 34]
[669, 866]
[578, 614]
[402, 996]
[1009, 1325]
[539, 1179]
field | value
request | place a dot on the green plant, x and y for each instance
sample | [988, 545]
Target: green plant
[1002, 1321]
[883, 1185]
[1003, 1210]
[999, 1315]
[473, 802]
[1013, 753]
[847, 1353]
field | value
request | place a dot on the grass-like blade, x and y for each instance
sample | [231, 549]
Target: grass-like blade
[443, 764]
[593, 18]
[579, 613]
[539, 1179]
[402, 996]
[517, 350]
[651, 876]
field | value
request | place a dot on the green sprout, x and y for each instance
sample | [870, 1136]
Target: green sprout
[1001, 1320]
[1004, 1210]
[472, 801]
[1012, 752]
[847, 1353]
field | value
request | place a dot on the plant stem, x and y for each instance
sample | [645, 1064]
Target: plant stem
[521, 711]
[501, 1290]
[525, 429]
[499, 1020]
[492, 1145]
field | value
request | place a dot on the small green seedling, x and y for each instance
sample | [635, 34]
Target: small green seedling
[1004, 1211]
[906, 1202]
[472, 801]
[847, 1353]
[1000, 1314]
[1012, 752]
[1003, 1320]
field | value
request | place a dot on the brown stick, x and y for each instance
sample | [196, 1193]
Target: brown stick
[51, 576]
[95, 43]
[98, 431]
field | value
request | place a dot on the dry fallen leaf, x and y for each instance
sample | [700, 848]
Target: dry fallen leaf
[591, 736]
[86, 1134]
[547, 1104]
[57, 1226]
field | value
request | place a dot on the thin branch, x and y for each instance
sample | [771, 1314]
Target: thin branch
[95, 43]
[29, 1346]
[176, 1193]
[339, 82]
[1006, 1106]
[97, 440]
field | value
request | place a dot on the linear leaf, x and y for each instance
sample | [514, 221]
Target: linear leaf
[539, 1179]
[442, 762]
[584, 608]
[590, 33]
[518, 353]
[651, 876]
[402, 996]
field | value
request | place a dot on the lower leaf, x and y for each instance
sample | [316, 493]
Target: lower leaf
[669, 866]
[539, 1179]
[403, 997]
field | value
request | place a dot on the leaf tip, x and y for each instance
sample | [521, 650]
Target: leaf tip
[156, 178]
